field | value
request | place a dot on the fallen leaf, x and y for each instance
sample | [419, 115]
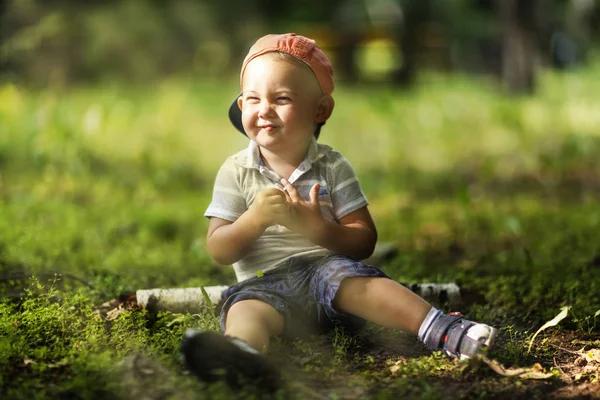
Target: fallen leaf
[564, 311]
[589, 369]
[28, 361]
[534, 372]
[592, 355]
[114, 314]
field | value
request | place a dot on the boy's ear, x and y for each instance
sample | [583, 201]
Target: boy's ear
[239, 102]
[324, 108]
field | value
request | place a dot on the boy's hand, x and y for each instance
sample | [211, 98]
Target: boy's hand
[270, 207]
[304, 217]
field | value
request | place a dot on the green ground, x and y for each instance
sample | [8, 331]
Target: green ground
[110, 184]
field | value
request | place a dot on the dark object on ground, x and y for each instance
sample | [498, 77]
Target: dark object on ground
[213, 357]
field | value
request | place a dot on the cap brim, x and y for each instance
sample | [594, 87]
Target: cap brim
[235, 115]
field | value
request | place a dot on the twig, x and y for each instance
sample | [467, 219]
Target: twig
[563, 373]
[567, 350]
[534, 372]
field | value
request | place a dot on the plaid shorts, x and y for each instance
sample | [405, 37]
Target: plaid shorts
[302, 290]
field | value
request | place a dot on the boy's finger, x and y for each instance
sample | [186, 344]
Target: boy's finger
[314, 193]
[288, 198]
[283, 195]
[291, 190]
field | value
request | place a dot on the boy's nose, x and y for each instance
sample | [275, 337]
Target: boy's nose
[266, 108]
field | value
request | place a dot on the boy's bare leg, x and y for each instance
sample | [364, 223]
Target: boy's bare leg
[255, 322]
[382, 301]
[387, 303]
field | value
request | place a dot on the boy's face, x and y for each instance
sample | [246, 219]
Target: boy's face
[281, 104]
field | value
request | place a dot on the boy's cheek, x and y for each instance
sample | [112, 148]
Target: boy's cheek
[248, 116]
[247, 121]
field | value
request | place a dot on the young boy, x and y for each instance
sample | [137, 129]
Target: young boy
[290, 215]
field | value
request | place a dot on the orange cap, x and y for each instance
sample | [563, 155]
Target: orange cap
[302, 48]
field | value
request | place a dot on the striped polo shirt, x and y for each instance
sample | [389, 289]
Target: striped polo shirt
[244, 174]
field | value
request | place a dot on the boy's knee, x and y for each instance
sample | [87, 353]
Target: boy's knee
[352, 290]
[256, 312]
[349, 290]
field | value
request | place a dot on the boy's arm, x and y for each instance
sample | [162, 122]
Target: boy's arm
[354, 235]
[228, 241]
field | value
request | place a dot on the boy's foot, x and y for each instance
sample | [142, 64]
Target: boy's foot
[460, 338]
[211, 357]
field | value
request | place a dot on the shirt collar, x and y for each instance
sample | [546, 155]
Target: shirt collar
[254, 160]
[314, 153]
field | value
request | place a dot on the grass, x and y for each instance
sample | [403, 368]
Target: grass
[109, 183]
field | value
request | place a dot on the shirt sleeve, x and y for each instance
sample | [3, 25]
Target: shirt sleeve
[228, 202]
[346, 193]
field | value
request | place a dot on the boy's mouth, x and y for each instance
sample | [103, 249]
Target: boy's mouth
[268, 127]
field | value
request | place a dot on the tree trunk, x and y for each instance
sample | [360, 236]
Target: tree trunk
[3, 37]
[519, 52]
[416, 13]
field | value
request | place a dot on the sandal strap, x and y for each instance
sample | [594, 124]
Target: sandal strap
[459, 331]
[439, 329]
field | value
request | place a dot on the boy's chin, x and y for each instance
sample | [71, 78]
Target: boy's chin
[269, 136]
[269, 143]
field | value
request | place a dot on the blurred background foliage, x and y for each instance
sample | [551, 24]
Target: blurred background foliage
[57, 42]
[112, 126]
